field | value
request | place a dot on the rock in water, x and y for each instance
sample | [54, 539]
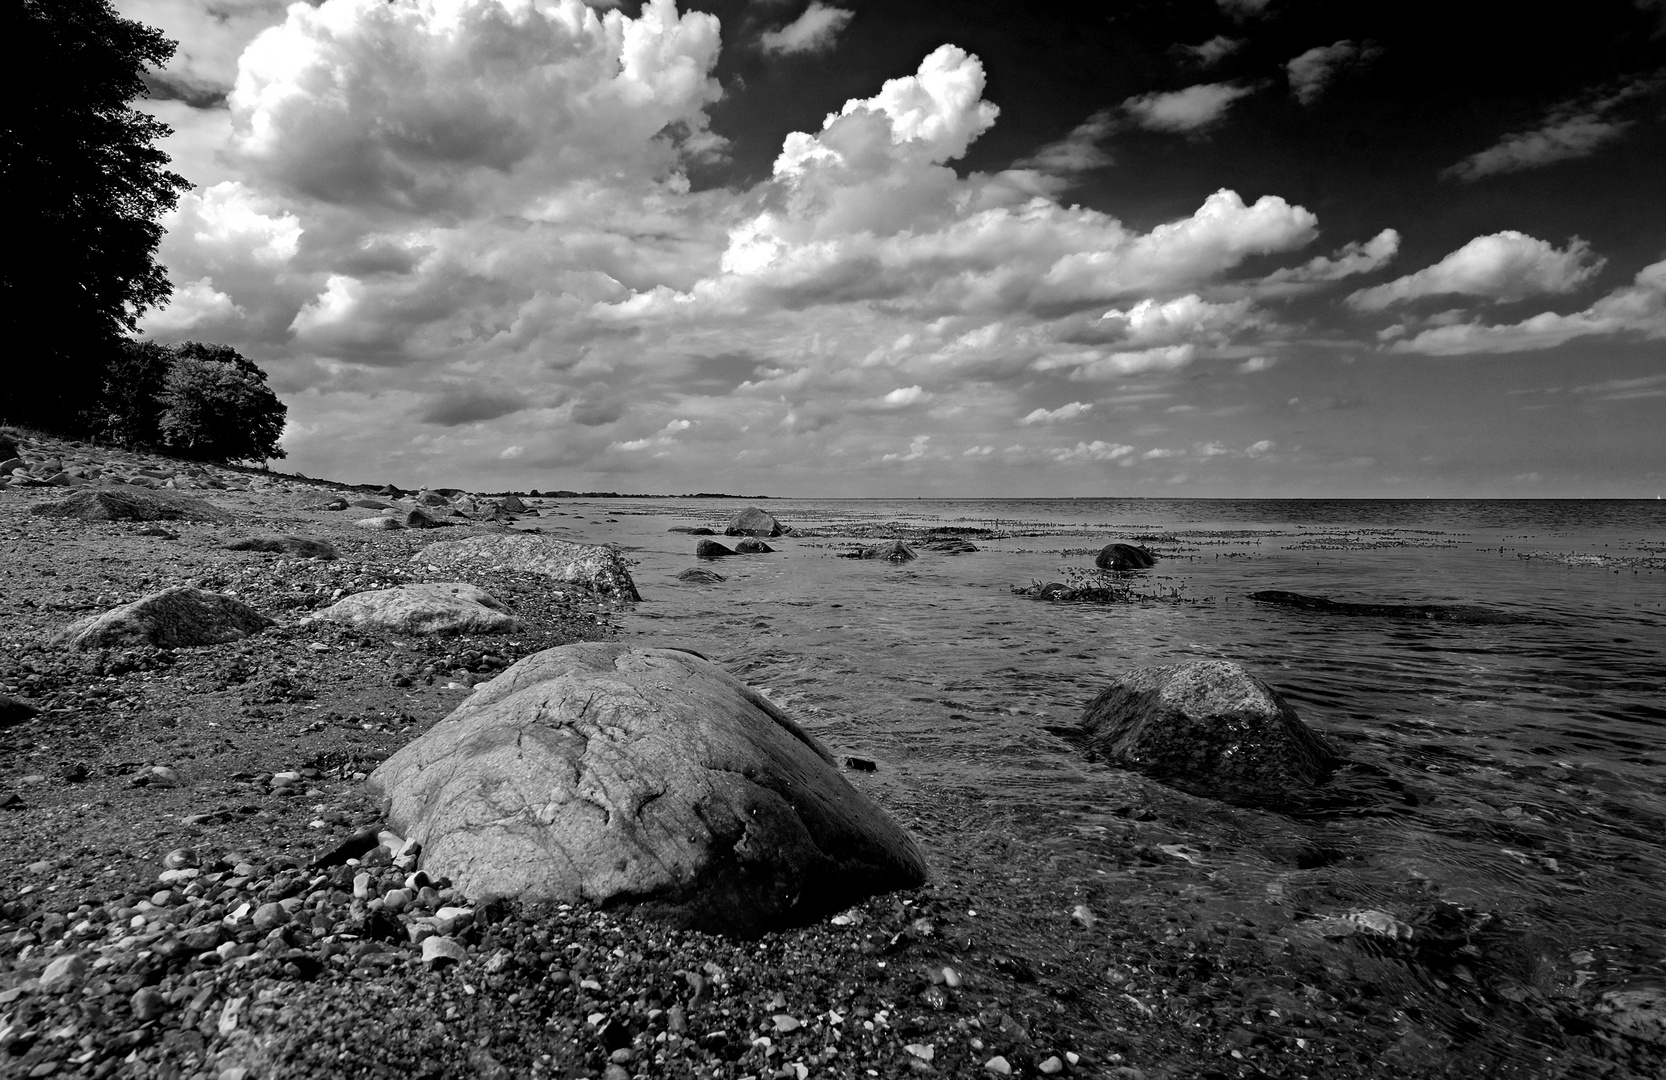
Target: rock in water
[752, 522]
[752, 546]
[430, 608]
[1124, 557]
[593, 566]
[133, 504]
[1209, 728]
[711, 549]
[698, 575]
[512, 503]
[1469, 614]
[288, 545]
[609, 773]
[889, 551]
[171, 619]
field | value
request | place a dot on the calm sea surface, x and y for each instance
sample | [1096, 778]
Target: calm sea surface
[1535, 752]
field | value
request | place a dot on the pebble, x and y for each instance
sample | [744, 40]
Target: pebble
[440, 950]
[999, 1066]
[148, 1004]
[270, 916]
[179, 859]
[1051, 1065]
[63, 971]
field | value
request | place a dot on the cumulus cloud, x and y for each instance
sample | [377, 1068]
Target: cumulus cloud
[1570, 130]
[1312, 71]
[1054, 416]
[1189, 110]
[1256, 363]
[1503, 266]
[814, 31]
[1352, 258]
[1078, 151]
[1638, 309]
[194, 306]
[1213, 51]
[210, 36]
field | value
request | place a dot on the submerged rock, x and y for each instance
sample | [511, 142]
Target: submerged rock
[288, 545]
[593, 566]
[1124, 557]
[430, 608]
[711, 549]
[697, 575]
[1468, 614]
[752, 546]
[133, 504]
[1209, 728]
[607, 773]
[752, 522]
[171, 619]
[889, 551]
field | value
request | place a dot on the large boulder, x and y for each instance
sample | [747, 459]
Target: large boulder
[595, 567]
[1210, 728]
[606, 773]
[711, 549]
[1124, 557]
[287, 545]
[133, 504]
[512, 503]
[428, 608]
[171, 619]
[751, 545]
[752, 522]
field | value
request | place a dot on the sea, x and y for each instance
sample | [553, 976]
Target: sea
[1527, 758]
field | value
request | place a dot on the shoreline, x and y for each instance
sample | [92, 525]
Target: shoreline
[1092, 943]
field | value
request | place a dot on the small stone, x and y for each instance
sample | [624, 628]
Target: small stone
[616, 1072]
[1052, 1065]
[269, 917]
[396, 900]
[923, 1051]
[179, 859]
[785, 1023]
[999, 1066]
[1084, 915]
[45, 866]
[362, 885]
[148, 1004]
[676, 1020]
[442, 950]
[622, 1056]
[951, 978]
[162, 776]
[63, 972]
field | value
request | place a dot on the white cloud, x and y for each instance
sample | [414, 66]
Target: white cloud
[903, 396]
[1097, 450]
[1350, 259]
[1054, 416]
[1503, 266]
[1213, 51]
[1314, 69]
[1096, 365]
[813, 31]
[194, 305]
[1257, 363]
[1635, 309]
[1077, 152]
[1192, 109]
[1260, 448]
[510, 453]
[1570, 130]
[1183, 319]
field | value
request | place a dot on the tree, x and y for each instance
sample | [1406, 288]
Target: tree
[128, 405]
[216, 406]
[80, 168]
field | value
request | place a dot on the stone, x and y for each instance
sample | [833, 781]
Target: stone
[426, 518]
[287, 545]
[699, 575]
[438, 951]
[1124, 557]
[511, 503]
[11, 465]
[8, 449]
[63, 972]
[147, 1004]
[426, 608]
[1209, 728]
[174, 618]
[14, 711]
[127, 504]
[269, 917]
[752, 546]
[1639, 1012]
[380, 524]
[371, 504]
[594, 566]
[1467, 614]
[604, 773]
[889, 551]
[711, 549]
[432, 498]
[180, 859]
[752, 522]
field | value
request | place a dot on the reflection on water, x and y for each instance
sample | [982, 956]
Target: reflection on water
[1517, 768]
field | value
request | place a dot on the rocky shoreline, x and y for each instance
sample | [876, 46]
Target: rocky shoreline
[176, 898]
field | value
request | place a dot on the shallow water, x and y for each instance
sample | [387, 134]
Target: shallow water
[1523, 760]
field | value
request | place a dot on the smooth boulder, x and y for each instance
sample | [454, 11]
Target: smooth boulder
[427, 608]
[171, 619]
[698, 575]
[133, 504]
[1209, 728]
[752, 522]
[1124, 557]
[287, 545]
[752, 546]
[889, 551]
[380, 524]
[607, 773]
[711, 549]
[593, 566]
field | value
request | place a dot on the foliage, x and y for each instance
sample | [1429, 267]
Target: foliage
[216, 406]
[128, 409]
[80, 168]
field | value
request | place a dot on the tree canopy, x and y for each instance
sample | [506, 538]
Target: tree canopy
[198, 401]
[80, 168]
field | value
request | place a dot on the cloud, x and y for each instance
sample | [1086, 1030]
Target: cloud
[1570, 130]
[194, 305]
[1054, 416]
[1502, 267]
[1192, 109]
[814, 31]
[1244, 10]
[1350, 259]
[1097, 450]
[1078, 151]
[470, 405]
[1213, 51]
[1314, 69]
[1256, 363]
[1635, 309]
[904, 396]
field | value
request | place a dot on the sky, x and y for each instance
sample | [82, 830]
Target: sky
[1200, 248]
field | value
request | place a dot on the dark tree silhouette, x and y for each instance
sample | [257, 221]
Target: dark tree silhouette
[80, 169]
[216, 406]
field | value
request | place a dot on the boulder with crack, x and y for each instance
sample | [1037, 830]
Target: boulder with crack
[609, 773]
